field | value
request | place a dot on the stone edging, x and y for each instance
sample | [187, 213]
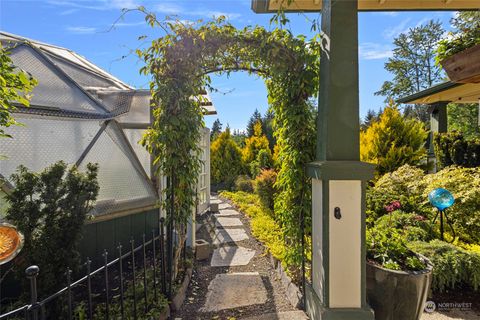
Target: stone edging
[179, 298]
[293, 293]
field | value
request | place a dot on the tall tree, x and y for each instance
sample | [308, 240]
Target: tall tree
[267, 127]
[216, 129]
[413, 65]
[255, 117]
[370, 117]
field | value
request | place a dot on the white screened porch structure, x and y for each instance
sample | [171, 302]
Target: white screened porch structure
[79, 114]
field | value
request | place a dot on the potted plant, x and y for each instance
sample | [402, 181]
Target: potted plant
[459, 54]
[398, 279]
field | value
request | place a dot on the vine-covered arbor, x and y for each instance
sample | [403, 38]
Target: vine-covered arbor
[180, 64]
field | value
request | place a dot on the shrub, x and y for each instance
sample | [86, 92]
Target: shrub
[263, 161]
[50, 209]
[265, 187]
[453, 266]
[403, 185]
[464, 184]
[411, 226]
[244, 183]
[393, 141]
[411, 187]
[388, 248]
[263, 226]
[453, 149]
[255, 144]
[226, 160]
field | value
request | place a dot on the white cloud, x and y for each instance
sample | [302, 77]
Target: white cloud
[97, 5]
[393, 32]
[82, 30]
[168, 8]
[175, 9]
[130, 24]
[67, 12]
[374, 51]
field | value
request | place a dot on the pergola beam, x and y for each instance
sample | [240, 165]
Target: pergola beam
[271, 6]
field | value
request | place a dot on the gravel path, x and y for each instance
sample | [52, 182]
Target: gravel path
[237, 281]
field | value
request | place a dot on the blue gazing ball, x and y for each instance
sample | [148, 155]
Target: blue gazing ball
[441, 198]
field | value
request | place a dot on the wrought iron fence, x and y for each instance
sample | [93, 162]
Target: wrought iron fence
[97, 298]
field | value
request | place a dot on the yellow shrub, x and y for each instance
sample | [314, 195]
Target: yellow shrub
[393, 141]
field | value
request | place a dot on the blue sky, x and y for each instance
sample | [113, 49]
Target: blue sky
[83, 26]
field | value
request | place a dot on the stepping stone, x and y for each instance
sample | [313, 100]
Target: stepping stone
[288, 315]
[234, 290]
[228, 222]
[216, 201]
[224, 205]
[231, 256]
[226, 213]
[229, 236]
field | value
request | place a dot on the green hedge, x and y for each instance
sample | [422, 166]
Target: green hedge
[453, 149]
[453, 266]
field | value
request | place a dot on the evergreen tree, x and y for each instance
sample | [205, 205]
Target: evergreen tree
[413, 65]
[392, 141]
[256, 117]
[370, 117]
[267, 127]
[225, 160]
[216, 129]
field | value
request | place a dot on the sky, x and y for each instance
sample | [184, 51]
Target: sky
[86, 28]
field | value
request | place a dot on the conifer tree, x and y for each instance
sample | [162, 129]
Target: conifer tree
[392, 141]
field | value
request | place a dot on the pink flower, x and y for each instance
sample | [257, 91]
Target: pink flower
[394, 205]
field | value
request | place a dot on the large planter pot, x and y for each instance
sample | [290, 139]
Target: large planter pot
[398, 295]
[464, 67]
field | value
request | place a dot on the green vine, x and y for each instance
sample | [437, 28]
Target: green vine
[180, 64]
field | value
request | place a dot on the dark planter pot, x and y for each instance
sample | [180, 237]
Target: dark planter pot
[464, 67]
[398, 295]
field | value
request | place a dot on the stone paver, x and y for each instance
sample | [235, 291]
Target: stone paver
[231, 256]
[225, 236]
[216, 201]
[288, 315]
[224, 205]
[228, 222]
[235, 290]
[226, 213]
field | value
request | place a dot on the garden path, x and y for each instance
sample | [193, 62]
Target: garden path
[237, 281]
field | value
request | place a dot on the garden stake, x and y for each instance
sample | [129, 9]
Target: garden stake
[120, 270]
